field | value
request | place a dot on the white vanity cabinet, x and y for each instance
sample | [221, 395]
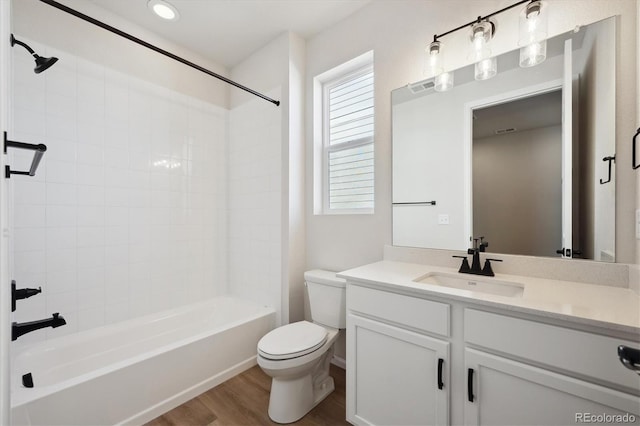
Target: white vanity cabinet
[507, 392]
[497, 368]
[396, 374]
[521, 371]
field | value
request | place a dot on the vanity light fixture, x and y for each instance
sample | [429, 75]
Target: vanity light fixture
[533, 34]
[163, 9]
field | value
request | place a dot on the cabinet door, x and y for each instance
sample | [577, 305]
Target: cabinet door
[506, 392]
[395, 376]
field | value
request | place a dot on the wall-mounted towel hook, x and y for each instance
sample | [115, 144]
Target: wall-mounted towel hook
[634, 159]
[37, 156]
[610, 159]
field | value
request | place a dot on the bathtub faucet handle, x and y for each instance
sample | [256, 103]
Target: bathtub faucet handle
[21, 293]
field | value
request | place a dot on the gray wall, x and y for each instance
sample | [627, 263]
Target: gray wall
[517, 191]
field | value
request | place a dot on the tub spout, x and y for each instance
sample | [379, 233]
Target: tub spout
[18, 330]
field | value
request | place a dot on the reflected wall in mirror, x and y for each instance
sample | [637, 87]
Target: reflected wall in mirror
[517, 174]
[516, 159]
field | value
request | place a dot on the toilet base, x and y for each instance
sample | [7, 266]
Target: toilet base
[299, 384]
[295, 398]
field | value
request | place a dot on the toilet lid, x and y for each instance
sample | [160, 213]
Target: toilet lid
[292, 340]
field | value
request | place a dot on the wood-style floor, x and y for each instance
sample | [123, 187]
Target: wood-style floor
[244, 400]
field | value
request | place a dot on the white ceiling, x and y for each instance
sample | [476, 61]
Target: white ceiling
[227, 31]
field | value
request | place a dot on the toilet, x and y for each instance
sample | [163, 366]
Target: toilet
[297, 355]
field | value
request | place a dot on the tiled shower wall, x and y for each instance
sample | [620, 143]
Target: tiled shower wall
[255, 201]
[127, 212]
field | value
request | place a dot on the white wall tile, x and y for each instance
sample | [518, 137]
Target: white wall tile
[91, 195]
[91, 277]
[61, 81]
[57, 128]
[90, 154]
[61, 194]
[91, 298]
[61, 171]
[63, 302]
[90, 318]
[28, 263]
[91, 216]
[90, 236]
[61, 216]
[28, 192]
[91, 175]
[117, 312]
[117, 212]
[61, 237]
[60, 282]
[116, 235]
[29, 239]
[61, 260]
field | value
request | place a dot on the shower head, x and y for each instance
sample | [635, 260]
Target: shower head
[41, 62]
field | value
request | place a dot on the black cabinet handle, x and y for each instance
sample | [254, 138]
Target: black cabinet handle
[470, 384]
[440, 363]
[629, 357]
[635, 164]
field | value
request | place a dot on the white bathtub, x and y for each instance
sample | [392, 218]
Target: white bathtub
[133, 371]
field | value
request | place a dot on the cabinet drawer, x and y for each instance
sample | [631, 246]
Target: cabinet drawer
[421, 314]
[586, 354]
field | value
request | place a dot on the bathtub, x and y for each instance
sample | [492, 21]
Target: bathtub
[135, 370]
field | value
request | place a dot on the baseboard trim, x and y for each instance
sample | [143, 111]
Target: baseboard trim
[190, 393]
[339, 362]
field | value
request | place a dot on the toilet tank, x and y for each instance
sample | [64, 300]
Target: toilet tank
[327, 298]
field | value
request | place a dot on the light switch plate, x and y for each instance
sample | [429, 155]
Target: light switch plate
[443, 219]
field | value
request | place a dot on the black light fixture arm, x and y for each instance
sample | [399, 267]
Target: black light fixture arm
[154, 48]
[480, 19]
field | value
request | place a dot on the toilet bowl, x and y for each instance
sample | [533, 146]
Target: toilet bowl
[297, 356]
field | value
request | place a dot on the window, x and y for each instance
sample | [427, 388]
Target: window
[347, 142]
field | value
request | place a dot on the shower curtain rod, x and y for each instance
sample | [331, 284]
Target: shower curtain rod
[154, 48]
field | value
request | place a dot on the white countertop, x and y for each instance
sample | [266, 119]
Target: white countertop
[589, 304]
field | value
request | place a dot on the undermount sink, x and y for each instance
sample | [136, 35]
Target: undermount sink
[476, 283]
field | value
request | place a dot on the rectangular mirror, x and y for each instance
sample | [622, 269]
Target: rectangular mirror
[518, 159]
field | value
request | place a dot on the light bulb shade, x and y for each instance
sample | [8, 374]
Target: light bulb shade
[481, 35]
[533, 54]
[486, 68]
[443, 82]
[533, 24]
[433, 63]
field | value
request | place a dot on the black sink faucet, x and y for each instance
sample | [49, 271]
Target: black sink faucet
[18, 330]
[475, 251]
[475, 263]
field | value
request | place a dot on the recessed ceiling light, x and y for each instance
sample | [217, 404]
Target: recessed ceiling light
[163, 9]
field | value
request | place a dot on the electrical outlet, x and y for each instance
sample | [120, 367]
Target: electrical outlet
[443, 219]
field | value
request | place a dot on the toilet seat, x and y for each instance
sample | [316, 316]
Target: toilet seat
[292, 341]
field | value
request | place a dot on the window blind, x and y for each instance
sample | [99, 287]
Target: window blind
[350, 142]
